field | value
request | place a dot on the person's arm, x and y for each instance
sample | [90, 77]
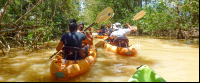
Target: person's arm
[90, 30]
[99, 31]
[112, 35]
[131, 28]
[88, 41]
[89, 36]
[111, 25]
[60, 45]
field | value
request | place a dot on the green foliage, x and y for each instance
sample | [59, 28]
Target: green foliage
[43, 15]
[160, 15]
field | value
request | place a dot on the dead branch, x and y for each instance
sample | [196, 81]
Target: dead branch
[17, 29]
[28, 12]
[2, 11]
[2, 48]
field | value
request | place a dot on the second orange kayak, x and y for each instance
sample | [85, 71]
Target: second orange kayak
[101, 36]
[127, 51]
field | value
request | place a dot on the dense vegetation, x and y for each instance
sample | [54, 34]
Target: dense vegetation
[163, 17]
[32, 23]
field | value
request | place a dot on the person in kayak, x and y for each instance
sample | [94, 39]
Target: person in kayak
[102, 31]
[80, 29]
[73, 40]
[120, 34]
[110, 29]
[89, 35]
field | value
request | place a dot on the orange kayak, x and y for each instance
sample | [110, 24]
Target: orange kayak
[101, 36]
[71, 68]
[127, 51]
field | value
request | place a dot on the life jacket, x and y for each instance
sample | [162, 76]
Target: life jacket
[73, 53]
[102, 31]
[121, 42]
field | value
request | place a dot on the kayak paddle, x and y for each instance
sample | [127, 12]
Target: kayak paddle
[54, 54]
[139, 15]
[136, 17]
[103, 16]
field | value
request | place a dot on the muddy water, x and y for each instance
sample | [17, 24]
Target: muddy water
[174, 60]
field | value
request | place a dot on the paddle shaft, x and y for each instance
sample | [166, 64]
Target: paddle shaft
[90, 26]
[54, 54]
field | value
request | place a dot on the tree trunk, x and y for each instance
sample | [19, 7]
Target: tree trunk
[41, 14]
[138, 1]
[2, 49]
[22, 2]
[47, 11]
[145, 2]
[3, 10]
[28, 9]
[54, 11]
[135, 3]
[114, 10]
[179, 34]
[36, 15]
[129, 6]
[194, 16]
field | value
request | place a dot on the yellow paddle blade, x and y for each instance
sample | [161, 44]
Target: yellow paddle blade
[99, 44]
[139, 15]
[104, 15]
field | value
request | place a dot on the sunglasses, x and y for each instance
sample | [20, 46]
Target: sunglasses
[118, 26]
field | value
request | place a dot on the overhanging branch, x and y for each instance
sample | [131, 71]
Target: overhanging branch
[17, 29]
[28, 12]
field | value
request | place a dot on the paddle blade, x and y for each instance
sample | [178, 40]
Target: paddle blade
[104, 15]
[139, 15]
[99, 44]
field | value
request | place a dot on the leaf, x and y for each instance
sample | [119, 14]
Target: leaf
[25, 39]
[30, 36]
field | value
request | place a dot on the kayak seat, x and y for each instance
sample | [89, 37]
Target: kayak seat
[121, 42]
[73, 53]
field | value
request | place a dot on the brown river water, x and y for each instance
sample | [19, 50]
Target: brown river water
[174, 60]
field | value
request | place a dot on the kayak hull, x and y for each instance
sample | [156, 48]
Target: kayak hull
[100, 36]
[127, 51]
[145, 74]
[72, 68]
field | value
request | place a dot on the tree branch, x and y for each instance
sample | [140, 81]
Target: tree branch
[3, 10]
[28, 12]
[17, 29]
[54, 12]
[129, 6]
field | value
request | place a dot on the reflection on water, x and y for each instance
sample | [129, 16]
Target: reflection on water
[174, 60]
